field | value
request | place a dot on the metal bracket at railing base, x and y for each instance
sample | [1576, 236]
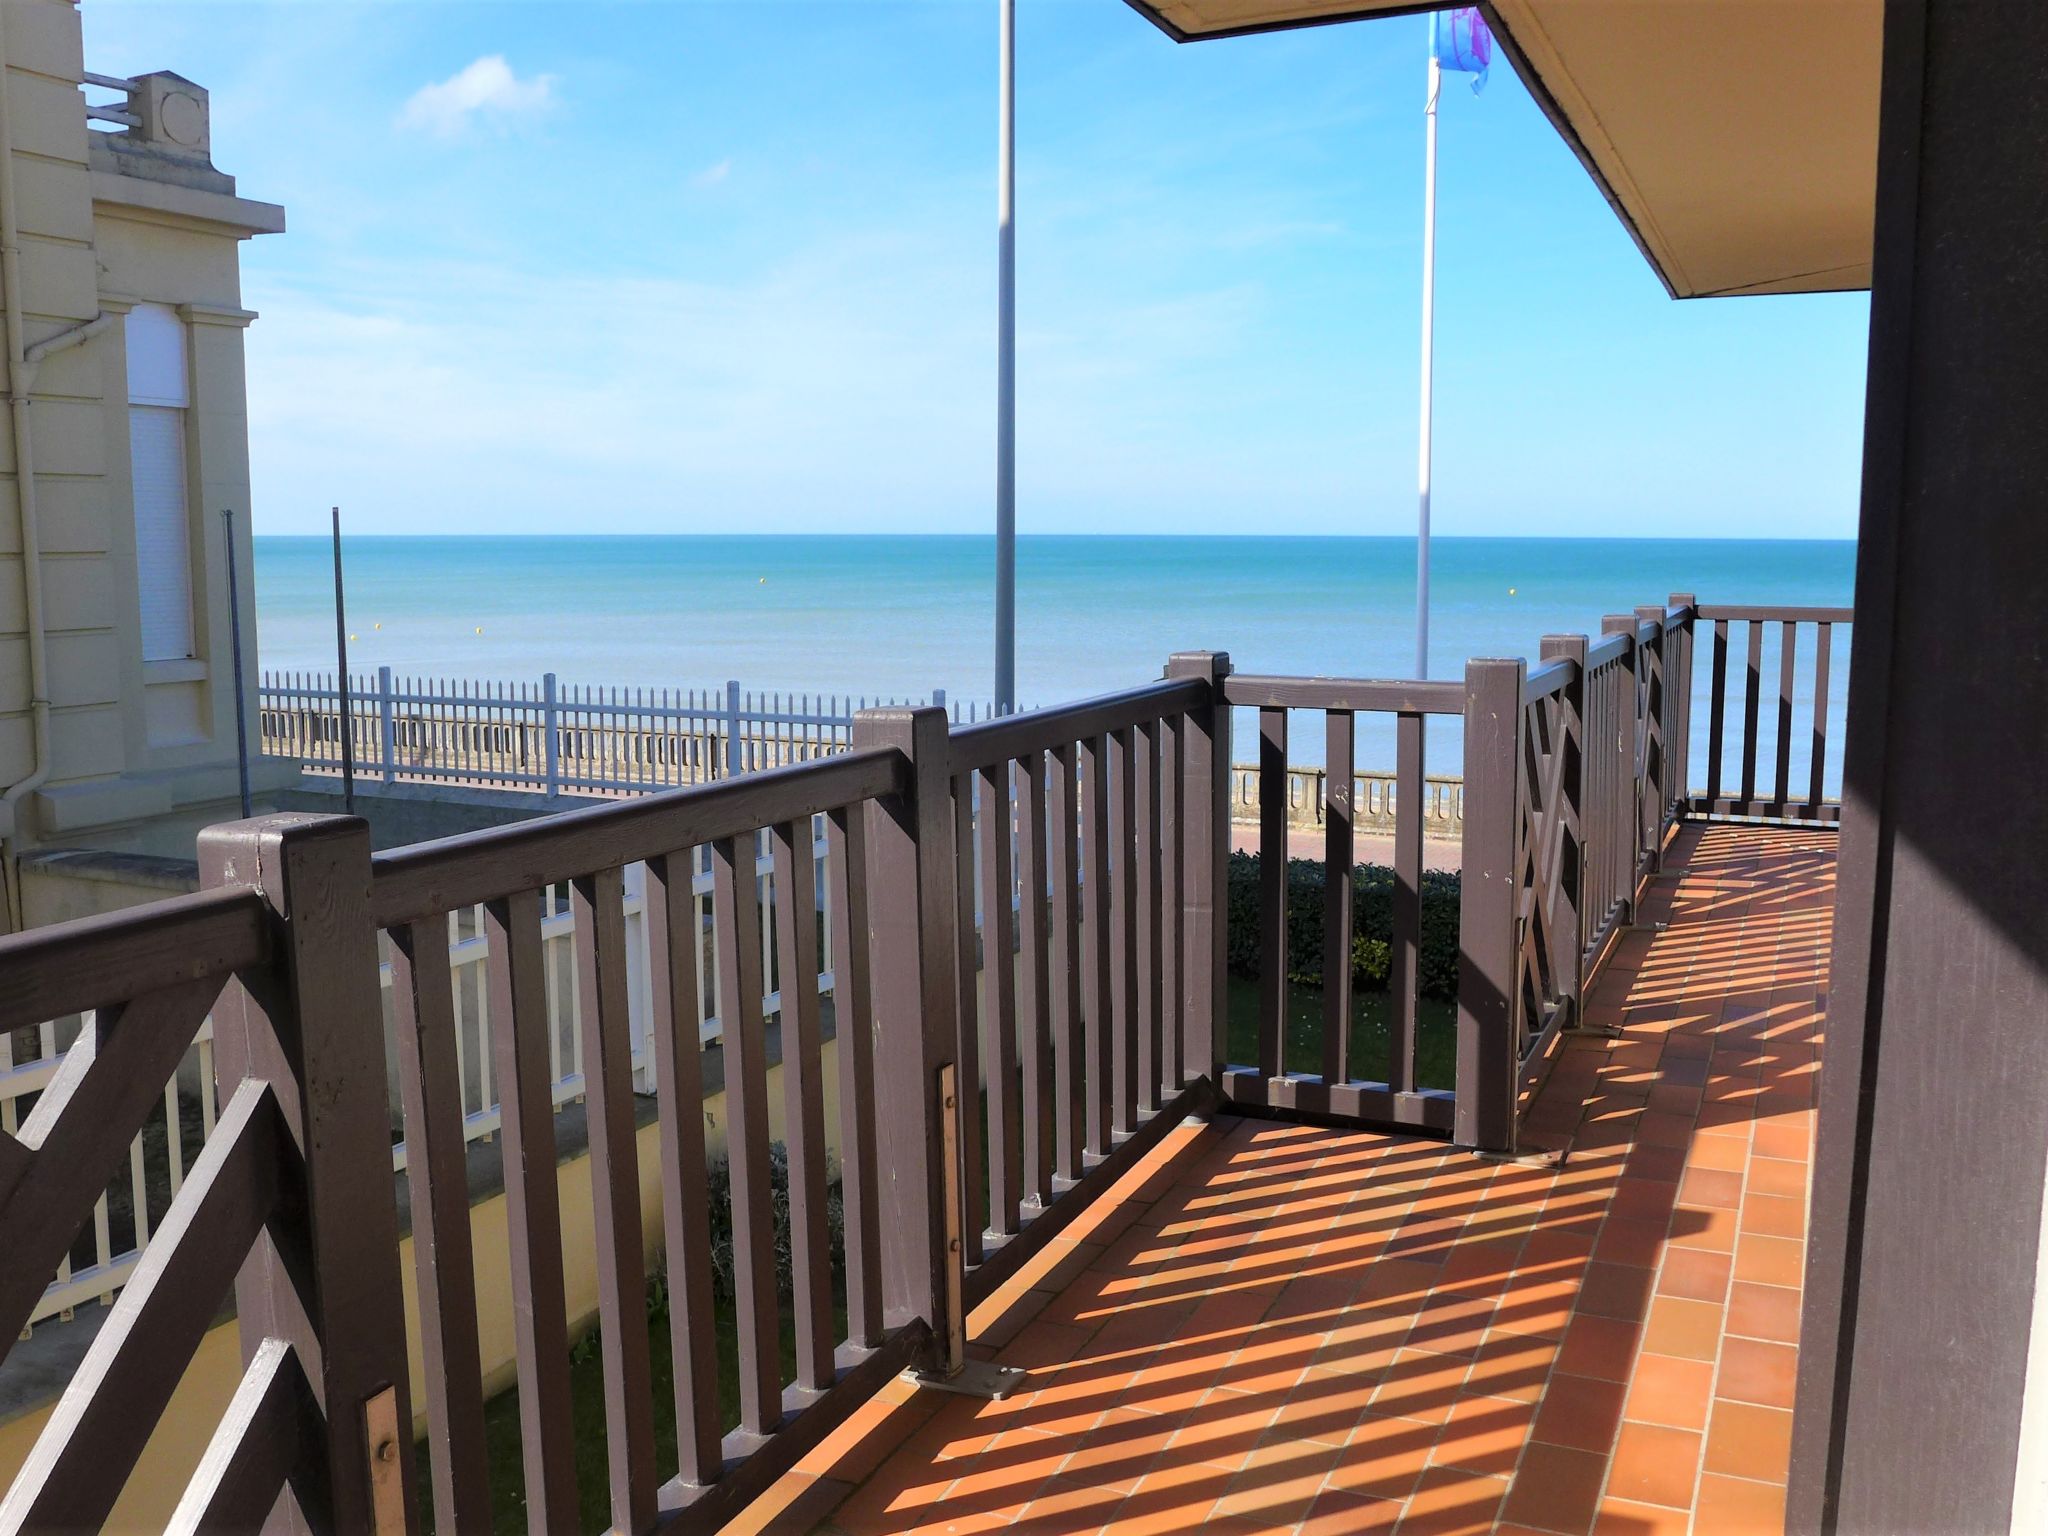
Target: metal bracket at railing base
[975, 1378]
[1653, 926]
[1529, 1157]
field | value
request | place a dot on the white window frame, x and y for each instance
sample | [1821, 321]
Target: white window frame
[159, 402]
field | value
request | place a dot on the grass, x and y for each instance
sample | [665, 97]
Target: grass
[1436, 1046]
[586, 1398]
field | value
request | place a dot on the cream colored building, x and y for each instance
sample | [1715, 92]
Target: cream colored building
[126, 437]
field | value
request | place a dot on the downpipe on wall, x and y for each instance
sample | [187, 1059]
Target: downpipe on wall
[21, 370]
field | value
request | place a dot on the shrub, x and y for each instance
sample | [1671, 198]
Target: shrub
[1372, 925]
[719, 1179]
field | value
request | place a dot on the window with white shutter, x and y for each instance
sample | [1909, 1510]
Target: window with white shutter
[157, 396]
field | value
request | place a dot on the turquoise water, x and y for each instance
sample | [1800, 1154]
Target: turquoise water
[903, 615]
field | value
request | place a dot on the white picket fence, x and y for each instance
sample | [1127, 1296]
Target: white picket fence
[160, 1156]
[554, 737]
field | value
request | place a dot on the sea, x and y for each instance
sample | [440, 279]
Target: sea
[884, 616]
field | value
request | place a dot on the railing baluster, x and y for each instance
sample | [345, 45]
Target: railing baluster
[1717, 711]
[1404, 979]
[424, 1021]
[854, 1029]
[1095, 938]
[1173, 1072]
[598, 905]
[736, 898]
[1034, 984]
[999, 1001]
[1751, 698]
[1067, 962]
[803, 1109]
[967, 1049]
[1146, 890]
[1339, 765]
[674, 951]
[1816, 792]
[1272, 890]
[1787, 661]
[1123, 942]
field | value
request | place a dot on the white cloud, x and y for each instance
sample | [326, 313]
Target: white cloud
[712, 175]
[485, 91]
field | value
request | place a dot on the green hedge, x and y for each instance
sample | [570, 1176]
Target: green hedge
[1373, 924]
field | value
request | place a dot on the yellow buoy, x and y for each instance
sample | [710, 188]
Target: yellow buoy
[764, 581]
[1511, 591]
[376, 626]
[351, 637]
[479, 629]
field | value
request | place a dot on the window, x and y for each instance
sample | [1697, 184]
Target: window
[157, 400]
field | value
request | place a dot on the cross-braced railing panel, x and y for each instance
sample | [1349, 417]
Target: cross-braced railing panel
[145, 982]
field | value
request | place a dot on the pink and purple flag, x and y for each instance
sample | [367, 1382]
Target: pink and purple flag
[1460, 41]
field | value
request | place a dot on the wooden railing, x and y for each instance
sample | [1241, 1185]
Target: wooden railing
[1337, 1089]
[1026, 929]
[1743, 792]
[1101, 826]
[289, 1204]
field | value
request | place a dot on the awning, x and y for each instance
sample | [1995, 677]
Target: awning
[1737, 139]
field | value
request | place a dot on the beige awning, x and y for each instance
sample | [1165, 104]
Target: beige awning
[1737, 139]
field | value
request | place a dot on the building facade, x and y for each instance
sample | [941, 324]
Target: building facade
[126, 439]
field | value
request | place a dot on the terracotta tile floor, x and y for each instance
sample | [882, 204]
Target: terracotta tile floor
[1274, 1327]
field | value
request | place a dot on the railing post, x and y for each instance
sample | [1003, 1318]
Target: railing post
[387, 727]
[735, 752]
[911, 933]
[1629, 757]
[1656, 663]
[1488, 1051]
[1678, 694]
[1205, 822]
[1567, 941]
[939, 698]
[313, 1029]
[550, 734]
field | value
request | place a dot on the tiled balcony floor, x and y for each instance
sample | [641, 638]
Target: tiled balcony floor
[1274, 1327]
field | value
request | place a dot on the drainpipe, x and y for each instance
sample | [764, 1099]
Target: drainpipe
[21, 369]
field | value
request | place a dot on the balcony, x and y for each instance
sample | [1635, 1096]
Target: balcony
[1273, 1326]
[1561, 1282]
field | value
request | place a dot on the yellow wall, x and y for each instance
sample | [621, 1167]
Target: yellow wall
[160, 1476]
[141, 754]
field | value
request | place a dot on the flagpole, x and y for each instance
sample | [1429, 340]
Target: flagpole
[1428, 357]
[1006, 360]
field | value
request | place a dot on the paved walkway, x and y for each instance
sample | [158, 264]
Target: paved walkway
[1274, 1327]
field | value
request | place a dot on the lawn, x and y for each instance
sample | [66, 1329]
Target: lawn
[1436, 1045]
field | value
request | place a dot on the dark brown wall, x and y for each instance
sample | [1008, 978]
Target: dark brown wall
[1934, 1112]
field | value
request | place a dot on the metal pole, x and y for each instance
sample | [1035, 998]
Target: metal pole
[1006, 360]
[1428, 351]
[227, 520]
[348, 743]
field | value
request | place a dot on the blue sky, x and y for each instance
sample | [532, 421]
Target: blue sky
[730, 267]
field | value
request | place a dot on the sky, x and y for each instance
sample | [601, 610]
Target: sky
[729, 266]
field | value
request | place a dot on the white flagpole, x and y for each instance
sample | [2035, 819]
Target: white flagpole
[1428, 351]
[1006, 360]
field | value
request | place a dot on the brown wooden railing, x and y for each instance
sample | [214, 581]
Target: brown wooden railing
[1336, 1090]
[1745, 793]
[1100, 825]
[1025, 921]
[289, 1204]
